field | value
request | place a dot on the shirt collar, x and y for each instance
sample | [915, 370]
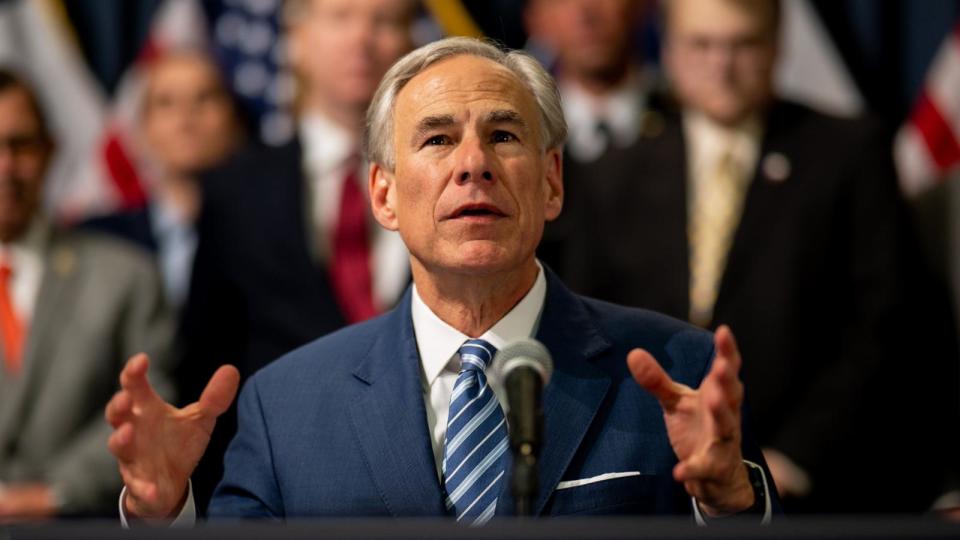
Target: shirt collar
[621, 109]
[326, 145]
[438, 342]
[709, 140]
[31, 244]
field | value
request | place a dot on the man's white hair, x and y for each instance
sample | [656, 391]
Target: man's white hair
[378, 132]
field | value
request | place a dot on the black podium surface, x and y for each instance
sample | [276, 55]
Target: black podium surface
[840, 528]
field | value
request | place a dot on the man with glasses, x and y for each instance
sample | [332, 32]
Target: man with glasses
[73, 307]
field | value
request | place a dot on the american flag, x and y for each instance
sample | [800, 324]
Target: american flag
[927, 148]
[247, 40]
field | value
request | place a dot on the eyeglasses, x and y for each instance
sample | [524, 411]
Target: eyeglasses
[24, 144]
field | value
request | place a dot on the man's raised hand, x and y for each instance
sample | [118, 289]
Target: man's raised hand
[158, 445]
[704, 426]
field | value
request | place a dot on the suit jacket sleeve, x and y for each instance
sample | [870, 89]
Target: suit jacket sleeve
[249, 487]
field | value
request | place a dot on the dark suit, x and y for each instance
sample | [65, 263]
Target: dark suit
[339, 427]
[133, 225]
[257, 290]
[815, 287]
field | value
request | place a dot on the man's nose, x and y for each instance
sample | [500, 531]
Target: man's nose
[473, 162]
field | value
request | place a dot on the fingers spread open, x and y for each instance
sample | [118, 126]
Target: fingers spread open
[725, 415]
[726, 346]
[133, 379]
[648, 374]
[220, 391]
[119, 409]
[121, 444]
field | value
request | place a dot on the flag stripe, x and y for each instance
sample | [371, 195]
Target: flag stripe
[123, 174]
[936, 132]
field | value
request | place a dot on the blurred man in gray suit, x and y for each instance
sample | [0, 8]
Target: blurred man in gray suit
[73, 308]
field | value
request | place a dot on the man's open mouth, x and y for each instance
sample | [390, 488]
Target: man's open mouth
[477, 210]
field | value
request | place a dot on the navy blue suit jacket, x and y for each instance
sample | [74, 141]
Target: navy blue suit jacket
[339, 427]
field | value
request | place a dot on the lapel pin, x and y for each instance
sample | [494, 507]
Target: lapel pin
[64, 261]
[652, 124]
[776, 167]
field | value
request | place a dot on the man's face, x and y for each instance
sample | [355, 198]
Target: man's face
[591, 37]
[341, 48]
[24, 154]
[720, 56]
[188, 120]
[472, 186]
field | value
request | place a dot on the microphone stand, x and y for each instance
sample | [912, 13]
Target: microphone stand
[526, 432]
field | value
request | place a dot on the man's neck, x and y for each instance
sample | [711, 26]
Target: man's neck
[598, 84]
[469, 303]
[181, 194]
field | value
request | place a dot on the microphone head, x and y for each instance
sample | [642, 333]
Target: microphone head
[528, 353]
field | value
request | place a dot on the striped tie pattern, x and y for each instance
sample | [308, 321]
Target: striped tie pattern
[475, 450]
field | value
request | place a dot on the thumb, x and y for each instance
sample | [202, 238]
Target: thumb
[648, 374]
[220, 391]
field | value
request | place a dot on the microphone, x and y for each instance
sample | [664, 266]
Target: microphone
[523, 368]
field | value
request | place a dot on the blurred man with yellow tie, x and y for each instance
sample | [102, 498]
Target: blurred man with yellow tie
[745, 209]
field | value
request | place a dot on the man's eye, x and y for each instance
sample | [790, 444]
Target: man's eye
[437, 140]
[503, 137]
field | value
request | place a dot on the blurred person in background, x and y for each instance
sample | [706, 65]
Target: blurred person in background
[73, 307]
[188, 124]
[610, 103]
[604, 87]
[741, 208]
[287, 247]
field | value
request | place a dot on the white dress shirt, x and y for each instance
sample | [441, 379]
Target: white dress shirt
[26, 257]
[176, 238]
[620, 110]
[329, 152]
[438, 343]
[708, 141]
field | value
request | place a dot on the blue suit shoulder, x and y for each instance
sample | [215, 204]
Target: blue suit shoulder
[325, 363]
[685, 351]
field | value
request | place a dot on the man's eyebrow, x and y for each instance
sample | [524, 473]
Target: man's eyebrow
[430, 123]
[506, 116]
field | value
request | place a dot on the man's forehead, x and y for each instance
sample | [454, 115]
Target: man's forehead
[456, 85]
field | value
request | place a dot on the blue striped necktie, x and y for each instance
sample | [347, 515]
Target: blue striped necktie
[475, 450]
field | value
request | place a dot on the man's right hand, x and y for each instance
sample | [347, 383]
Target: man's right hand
[158, 445]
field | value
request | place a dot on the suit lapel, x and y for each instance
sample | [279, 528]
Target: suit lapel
[389, 420]
[575, 392]
[762, 208]
[55, 301]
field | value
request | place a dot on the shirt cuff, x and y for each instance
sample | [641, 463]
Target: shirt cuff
[186, 518]
[703, 520]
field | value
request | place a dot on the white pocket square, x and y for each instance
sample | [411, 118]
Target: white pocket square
[567, 484]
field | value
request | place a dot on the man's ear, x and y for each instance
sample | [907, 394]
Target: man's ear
[553, 183]
[383, 196]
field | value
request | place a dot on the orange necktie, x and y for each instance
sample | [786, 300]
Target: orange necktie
[11, 328]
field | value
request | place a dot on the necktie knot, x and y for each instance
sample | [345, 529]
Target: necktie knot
[476, 355]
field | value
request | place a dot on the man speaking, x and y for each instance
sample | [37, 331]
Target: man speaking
[394, 416]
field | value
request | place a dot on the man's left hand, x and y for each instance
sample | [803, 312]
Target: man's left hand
[26, 502]
[704, 427]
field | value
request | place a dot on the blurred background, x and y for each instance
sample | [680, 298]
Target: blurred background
[846, 56]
